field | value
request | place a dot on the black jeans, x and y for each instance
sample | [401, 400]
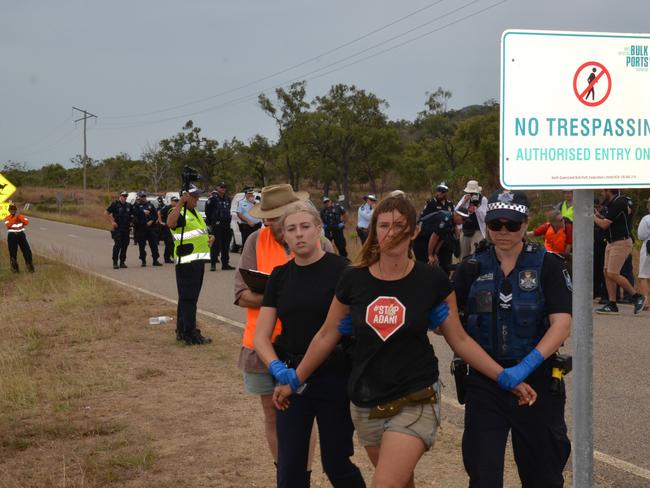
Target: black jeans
[168, 239]
[144, 235]
[326, 400]
[363, 234]
[15, 240]
[337, 237]
[539, 434]
[247, 230]
[189, 280]
[120, 244]
[222, 235]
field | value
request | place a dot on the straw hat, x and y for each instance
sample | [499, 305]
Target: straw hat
[275, 199]
[472, 187]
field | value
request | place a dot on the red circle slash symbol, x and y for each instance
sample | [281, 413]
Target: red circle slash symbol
[592, 79]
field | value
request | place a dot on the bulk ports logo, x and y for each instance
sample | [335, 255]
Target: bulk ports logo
[636, 57]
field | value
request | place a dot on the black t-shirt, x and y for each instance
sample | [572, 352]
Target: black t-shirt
[121, 212]
[302, 296]
[392, 357]
[555, 282]
[617, 213]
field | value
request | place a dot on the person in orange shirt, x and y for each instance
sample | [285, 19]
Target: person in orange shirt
[16, 237]
[557, 233]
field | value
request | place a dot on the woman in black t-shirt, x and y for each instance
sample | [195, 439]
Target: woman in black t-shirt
[299, 293]
[394, 369]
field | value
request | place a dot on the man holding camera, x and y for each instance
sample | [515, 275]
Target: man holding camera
[191, 251]
[472, 207]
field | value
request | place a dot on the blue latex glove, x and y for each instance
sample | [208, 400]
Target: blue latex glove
[509, 378]
[345, 326]
[284, 375]
[438, 315]
[341, 225]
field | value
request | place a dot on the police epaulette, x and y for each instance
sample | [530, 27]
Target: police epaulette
[530, 246]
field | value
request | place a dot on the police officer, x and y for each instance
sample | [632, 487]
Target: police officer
[191, 251]
[364, 216]
[166, 233]
[217, 210]
[442, 227]
[333, 217]
[248, 224]
[120, 214]
[144, 219]
[438, 203]
[516, 303]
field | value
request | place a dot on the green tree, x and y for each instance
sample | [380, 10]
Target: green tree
[287, 114]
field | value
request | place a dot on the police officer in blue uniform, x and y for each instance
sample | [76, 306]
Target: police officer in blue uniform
[217, 212]
[333, 217]
[145, 217]
[515, 299]
[438, 203]
[120, 214]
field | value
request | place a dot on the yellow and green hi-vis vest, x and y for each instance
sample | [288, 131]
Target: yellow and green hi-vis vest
[567, 212]
[195, 234]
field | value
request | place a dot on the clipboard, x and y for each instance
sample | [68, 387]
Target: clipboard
[255, 280]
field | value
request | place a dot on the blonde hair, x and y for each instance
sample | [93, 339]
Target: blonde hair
[301, 206]
[370, 251]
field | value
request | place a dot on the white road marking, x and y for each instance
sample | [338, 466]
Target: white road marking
[598, 456]
[43, 228]
[72, 235]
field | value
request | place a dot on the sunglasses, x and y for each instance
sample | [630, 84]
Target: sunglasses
[497, 225]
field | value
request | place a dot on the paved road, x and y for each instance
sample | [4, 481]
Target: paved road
[621, 357]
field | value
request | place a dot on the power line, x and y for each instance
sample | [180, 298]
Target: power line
[61, 139]
[282, 71]
[306, 77]
[48, 134]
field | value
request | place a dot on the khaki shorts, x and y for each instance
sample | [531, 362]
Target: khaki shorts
[615, 255]
[419, 421]
[259, 383]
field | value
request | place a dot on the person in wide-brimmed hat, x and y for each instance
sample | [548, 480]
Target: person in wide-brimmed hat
[264, 250]
[473, 207]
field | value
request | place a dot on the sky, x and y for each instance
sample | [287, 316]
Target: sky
[145, 67]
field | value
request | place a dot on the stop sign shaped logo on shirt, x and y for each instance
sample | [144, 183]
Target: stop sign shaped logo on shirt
[385, 315]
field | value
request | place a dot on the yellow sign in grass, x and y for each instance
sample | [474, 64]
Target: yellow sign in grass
[4, 210]
[6, 189]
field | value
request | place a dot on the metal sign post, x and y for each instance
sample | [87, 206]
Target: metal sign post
[582, 338]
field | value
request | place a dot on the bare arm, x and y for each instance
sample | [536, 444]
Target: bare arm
[602, 223]
[556, 334]
[463, 345]
[263, 332]
[109, 217]
[250, 299]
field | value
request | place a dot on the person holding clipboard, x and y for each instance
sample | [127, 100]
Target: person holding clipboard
[264, 250]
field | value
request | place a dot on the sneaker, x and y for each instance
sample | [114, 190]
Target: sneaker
[227, 267]
[123, 265]
[639, 303]
[157, 263]
[609, 309]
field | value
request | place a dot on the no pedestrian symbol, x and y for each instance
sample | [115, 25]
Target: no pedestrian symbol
[592, 83]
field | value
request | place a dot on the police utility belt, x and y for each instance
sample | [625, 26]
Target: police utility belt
[390, 409]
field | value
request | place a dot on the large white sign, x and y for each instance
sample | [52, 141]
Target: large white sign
[575, 110]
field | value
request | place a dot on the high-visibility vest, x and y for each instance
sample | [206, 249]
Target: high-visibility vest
[567, 212]
[269, 254]
[195, 233]
[555, 241]
[15, 223]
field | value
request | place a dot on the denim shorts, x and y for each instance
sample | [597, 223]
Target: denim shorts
[259, 383]
[419, 421]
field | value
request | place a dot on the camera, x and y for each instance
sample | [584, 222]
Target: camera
[475, 199]
[188, 176]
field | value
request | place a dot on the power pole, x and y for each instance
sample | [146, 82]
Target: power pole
[87, 115]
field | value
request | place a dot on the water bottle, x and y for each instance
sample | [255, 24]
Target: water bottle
[163, 319]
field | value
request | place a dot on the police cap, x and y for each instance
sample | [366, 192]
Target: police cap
[504, 204]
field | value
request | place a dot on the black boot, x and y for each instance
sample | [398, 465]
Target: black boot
[123, 265]
[144, 263]
[30, 267]
[14, 266]
[115, 266]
